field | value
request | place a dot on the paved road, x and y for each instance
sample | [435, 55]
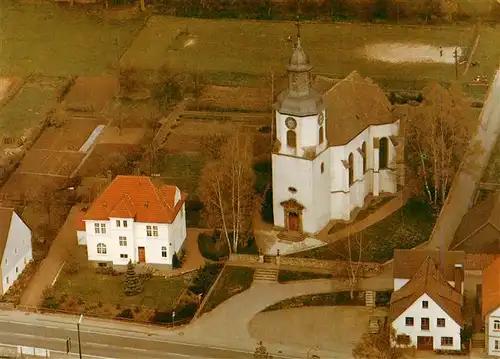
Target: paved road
[102, 339]
[470, 172]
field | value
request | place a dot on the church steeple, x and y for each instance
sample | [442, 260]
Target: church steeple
[299, 69]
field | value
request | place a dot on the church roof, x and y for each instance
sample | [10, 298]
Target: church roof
[352, 105]
[299, 60]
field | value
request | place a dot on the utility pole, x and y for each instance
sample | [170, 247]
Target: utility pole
[272, 112]
[455, 55]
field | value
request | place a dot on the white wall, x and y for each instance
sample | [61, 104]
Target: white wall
[398, 283]
[17, 253]
[493, 335]
[81, 237]
[433, 312]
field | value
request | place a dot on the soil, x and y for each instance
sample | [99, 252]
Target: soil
[71, 136]
[400, 53]
[106, 157]
[50, 162]
[5, 84]
[128, 136]
[91, 92]
[19, 184]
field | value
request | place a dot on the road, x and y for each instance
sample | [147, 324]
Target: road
[102, 339]
[471, 170]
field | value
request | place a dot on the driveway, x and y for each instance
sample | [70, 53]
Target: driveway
[64, 243]
[335, 329]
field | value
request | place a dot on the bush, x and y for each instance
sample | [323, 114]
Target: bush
[382, 299]
[133, 284]
[212, 246]
[72, 266]
[205, 278]
[49, 300]
[126, 313]
[106, 271]
[288, 276]
[176, 263]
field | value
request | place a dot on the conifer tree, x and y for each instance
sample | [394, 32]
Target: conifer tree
[133, 284]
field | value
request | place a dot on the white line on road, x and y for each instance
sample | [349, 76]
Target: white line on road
[61, 352]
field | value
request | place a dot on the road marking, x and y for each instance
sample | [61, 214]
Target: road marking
[61, 352]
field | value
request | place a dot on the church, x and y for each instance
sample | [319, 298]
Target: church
[336, 143]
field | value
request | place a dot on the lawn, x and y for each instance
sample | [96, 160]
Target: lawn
[233, 280]
[28, 107]
[290, 276]
[59, 41]
[404, 229]
[319, 300]
[245, 48]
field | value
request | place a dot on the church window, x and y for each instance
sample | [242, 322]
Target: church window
[291, 138]
[383, 153]
[363, 149]
[351, 169]
[292, 189]
[321, 135]
[322, 167]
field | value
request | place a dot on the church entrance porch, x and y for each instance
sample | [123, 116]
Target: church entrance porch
[293, 220]
[293, 215]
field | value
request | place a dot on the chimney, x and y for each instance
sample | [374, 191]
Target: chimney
[110, 175]
[458, 277]
[146, 204]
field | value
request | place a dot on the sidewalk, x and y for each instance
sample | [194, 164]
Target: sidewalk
[64, 243]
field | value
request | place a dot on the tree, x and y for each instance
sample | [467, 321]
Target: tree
[226, 190]
[260, 352]
[133, 284]
[437, 135]
[355, 248]
[378, 346]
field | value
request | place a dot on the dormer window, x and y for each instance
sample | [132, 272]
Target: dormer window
[425, 304]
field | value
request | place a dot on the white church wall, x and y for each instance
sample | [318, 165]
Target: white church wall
[321, 189]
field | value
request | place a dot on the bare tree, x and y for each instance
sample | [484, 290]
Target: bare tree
[437, 135]
[226, 190]
[378, 346]
[355, 246]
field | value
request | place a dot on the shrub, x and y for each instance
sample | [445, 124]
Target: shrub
[176, 263]
[106, 271]
[288, 276]
[212, 246]
[49, 299]
[205, 278]
[133, 285]
[72, 266]
[126, 313]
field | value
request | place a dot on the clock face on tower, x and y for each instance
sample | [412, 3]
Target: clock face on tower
[291, 123]
[321, 119]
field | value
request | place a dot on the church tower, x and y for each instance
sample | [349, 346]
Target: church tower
[301, 165]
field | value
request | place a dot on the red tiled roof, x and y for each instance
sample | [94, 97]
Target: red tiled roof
[491, 288]
[136, 197]
[78, 223]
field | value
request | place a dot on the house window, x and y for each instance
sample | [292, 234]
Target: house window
[164, 252]
[291, 138]
[97, 228]
[321, 135]
[425, 304]
[440, 322]
[152, 231]
[351, 169]
[123, 256]
[497, 344]
[7, 280]
[123, 241]
[424, 323]
[100, 228]
[409, 321]
[125, 224]
[155, 231]
[496, 323]
[15, 251]
[17, 270]
[6, 261]
[363, 149]
[383, 153]
[101, 248]
[403, 339]
[118, 223]
[322, 167]
[446, 341]
[103, 228]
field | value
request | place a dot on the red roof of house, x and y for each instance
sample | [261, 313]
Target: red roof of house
[78, 222]
[136, 197]
[491, 288]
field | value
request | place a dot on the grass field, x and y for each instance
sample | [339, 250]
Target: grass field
[219, 47]
[59, 41]
[28, 107]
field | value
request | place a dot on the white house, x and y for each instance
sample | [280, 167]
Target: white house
[490, 298]
[336, 144]
[426, 311]
[133, 219]
[15, 247]
[407, 262]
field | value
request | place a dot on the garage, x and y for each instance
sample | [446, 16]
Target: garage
[425, 343]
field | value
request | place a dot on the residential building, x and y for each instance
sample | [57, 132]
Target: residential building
[479, 230]
[490, 307]
[15, 247]
[133, 219]
[335, 144]
[407, 262]
[426, 311]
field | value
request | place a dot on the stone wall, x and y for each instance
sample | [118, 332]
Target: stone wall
[245, 258]
[338, 268]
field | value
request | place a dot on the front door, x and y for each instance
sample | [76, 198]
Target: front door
[425, 343]
[142, 255]
[293, 221]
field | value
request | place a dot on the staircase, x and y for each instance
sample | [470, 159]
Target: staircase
[478, 340]
[370, 298]
[269, 275]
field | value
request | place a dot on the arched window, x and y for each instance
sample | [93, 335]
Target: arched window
[363, 149]
[291, 139]
[322, 167]
[351, 169]
[101, 248]
[383, 153]
[321, 135]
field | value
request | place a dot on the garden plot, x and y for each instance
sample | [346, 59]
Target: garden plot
[20, 185]
[50, 162]
[411, 53]
[109, 156]
[91, 93]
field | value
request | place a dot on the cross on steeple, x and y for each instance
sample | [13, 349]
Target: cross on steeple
[297, 23]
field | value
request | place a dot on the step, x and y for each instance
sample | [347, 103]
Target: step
[265, 275]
